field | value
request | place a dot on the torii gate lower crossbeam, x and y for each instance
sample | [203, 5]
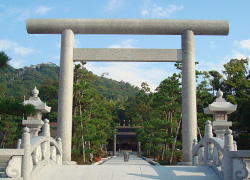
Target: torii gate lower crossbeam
[186, 28]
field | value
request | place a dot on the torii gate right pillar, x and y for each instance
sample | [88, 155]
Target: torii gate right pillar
[189, 113]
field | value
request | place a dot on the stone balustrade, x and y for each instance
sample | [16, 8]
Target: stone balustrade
[221, 155]
[10, 162]
[31, 155]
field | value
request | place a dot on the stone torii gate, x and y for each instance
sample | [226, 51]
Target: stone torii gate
[186, 28]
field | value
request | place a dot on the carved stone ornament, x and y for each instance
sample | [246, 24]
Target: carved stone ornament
[13, 169]
[53, 153]
[217, 156]
[240, 170]
[210, 151]
[200, 154]
[195, 160]
[37, 155]
[59, 159]
[44, 150]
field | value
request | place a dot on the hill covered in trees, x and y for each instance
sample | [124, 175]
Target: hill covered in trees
[20, 82]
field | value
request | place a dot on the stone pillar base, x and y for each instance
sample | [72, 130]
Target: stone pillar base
[69, 163]
[184, 164]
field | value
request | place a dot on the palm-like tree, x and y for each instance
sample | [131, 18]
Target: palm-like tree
[4, 59]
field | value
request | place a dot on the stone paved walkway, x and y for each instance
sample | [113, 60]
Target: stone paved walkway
[116, 169]
[115, 161]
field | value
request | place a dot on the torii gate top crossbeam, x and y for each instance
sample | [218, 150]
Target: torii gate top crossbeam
[128, 26]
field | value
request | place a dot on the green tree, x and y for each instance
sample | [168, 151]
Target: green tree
[204, 98]
[215, 80]
[4, 59]
[138, 107]
[92, 118]
[167, 104]
[236, 88]
[11, 113]
[48, 92]
[160, 116]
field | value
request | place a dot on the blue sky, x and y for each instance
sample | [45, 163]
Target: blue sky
[211, 51]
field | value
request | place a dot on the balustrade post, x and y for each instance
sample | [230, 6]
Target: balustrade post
[194, 159]
[114, 144]
[227, 164]
[46, 132]
[59, 159]
[235, 146]
[208, 134]
[59, 141]
[27, 161]
[46, 128]
[208, 130]
[19, 141]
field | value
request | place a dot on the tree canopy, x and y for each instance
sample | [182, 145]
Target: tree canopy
[4, 59]
[100, 104]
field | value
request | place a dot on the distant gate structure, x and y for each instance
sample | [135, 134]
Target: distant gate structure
[186, 28]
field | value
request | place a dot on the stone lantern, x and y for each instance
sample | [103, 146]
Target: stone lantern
[220, 110]
[34, 122]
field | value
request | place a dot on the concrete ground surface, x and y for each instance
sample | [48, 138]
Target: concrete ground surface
[117, 169]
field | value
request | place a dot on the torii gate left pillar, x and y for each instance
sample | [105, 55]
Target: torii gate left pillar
[186, 28]
[65, 96]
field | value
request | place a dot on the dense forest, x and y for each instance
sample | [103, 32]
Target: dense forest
[20, 82]
[99, 104]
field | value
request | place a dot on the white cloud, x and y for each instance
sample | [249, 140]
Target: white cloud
[56, 57]
[24, 50]
[134, 73]
[128, 43]
[212, 45]
[58, 44]
[24, 14]
[144, 12]
[115, 4]
[239, 56]
[156, 11]
[241, 51]
[205, 65]
[244, 44]
[41, 10]
[236, 55]
[18, 14]
[17, 63]
[6, 44]
[77, 43]
[67, 10]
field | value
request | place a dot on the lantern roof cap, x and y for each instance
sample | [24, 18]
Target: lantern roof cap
[220, 104]
[36, 102]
